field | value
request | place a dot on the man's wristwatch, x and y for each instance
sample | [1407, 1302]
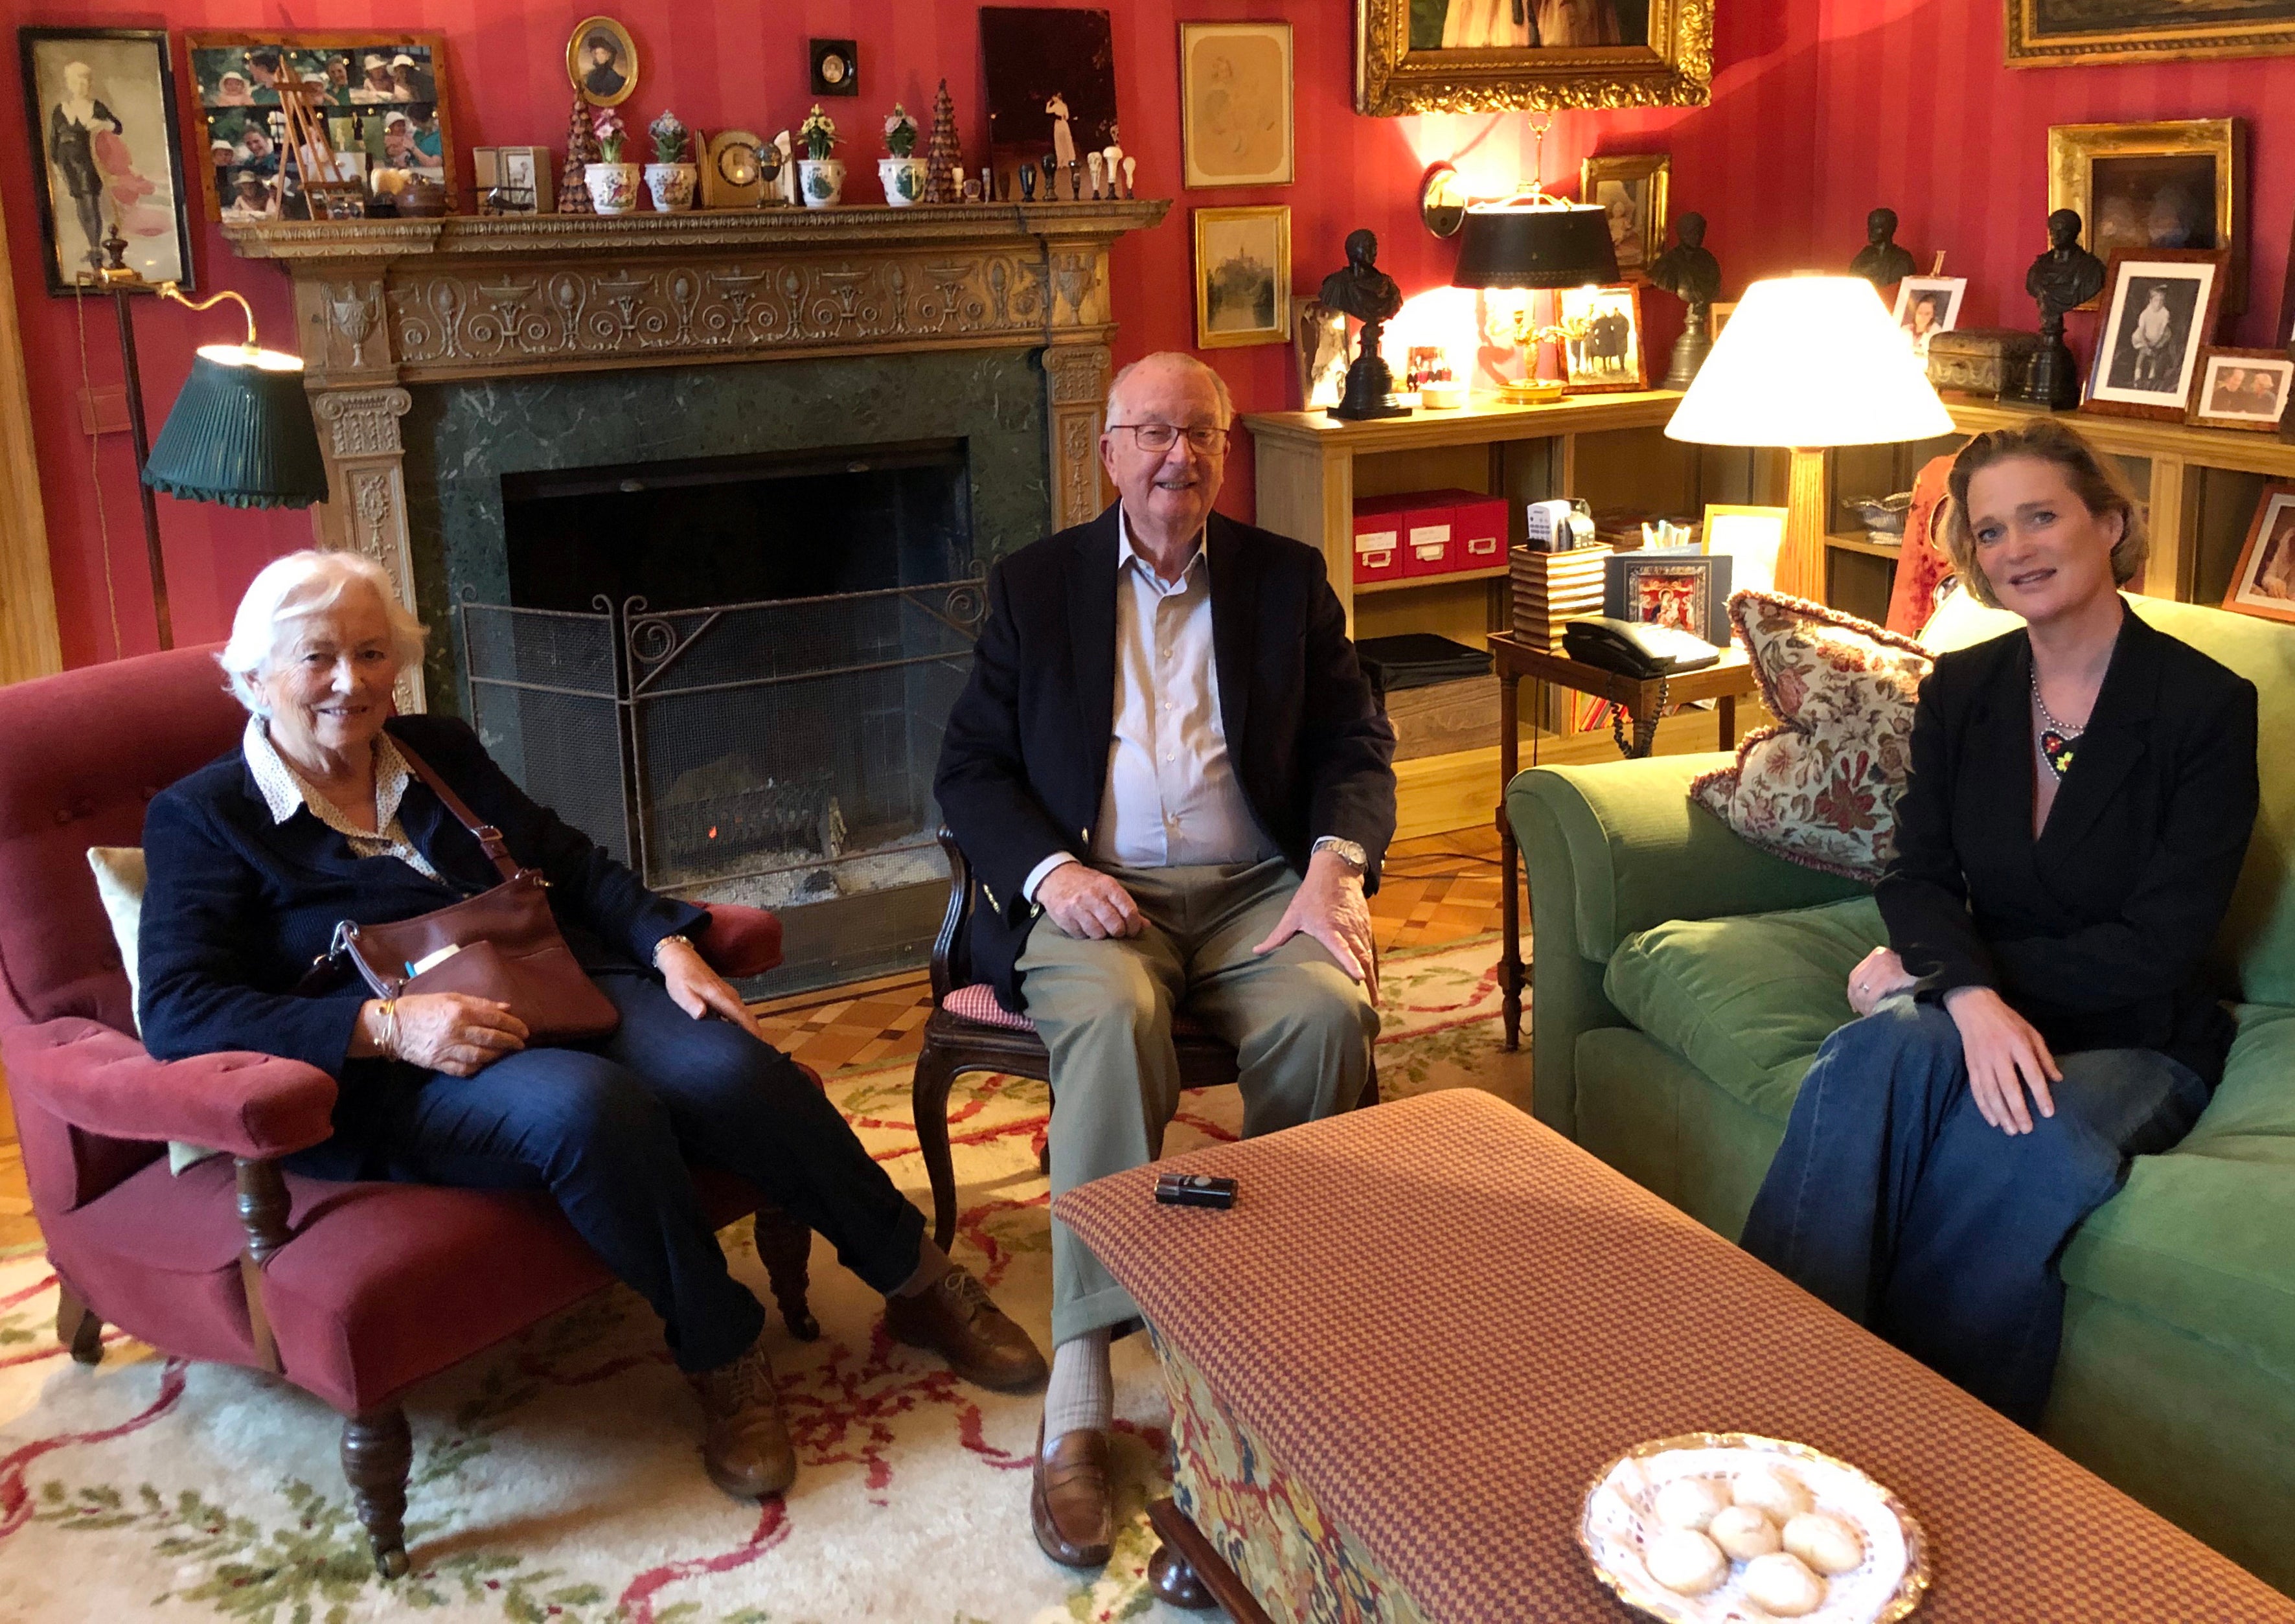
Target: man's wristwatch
[1346, 851]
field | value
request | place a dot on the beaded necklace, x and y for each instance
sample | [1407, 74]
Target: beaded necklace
[2056, 740]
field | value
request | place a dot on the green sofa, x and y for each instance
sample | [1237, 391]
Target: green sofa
[1684, 981]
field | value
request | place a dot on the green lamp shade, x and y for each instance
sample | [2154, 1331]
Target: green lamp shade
[241, 434]
[1542, 245]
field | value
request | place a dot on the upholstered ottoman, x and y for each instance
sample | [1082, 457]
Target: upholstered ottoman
[1399, 1362]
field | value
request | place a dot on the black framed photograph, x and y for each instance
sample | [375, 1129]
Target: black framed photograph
[834, 67]
[2161, 308]
[100, 110]
[1680, 587]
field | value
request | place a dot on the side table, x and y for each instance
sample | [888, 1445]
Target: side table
[1513, 658]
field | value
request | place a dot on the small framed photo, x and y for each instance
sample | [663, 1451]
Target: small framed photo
[2161, 308]
[602, 59]
[2244, 388]
[1630, 188]
[1243, 276]
[1751, 537]
[1682, 588]
[1927, 305]
[1235, 104]
[2264, 583]
[1603, 348]
[1319, 348]
[513, 180]
[101, 108]
[2179, 183]
[836, 67]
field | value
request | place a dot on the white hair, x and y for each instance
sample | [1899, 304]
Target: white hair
[1167, 357]
[294, 587]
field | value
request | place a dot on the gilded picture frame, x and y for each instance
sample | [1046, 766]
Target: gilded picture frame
[1630, 188]
[1463, 56]
[2077, 33]
[607, 80]
[1235, 104]
[1243, 276]
[2176, 183]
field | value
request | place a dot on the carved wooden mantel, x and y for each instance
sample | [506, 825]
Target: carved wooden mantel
[381, 305]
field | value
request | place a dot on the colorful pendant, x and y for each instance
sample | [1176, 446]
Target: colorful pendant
[2058, 750]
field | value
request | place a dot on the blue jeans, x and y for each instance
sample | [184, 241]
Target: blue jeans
[1893, 1200]
[608, 1129]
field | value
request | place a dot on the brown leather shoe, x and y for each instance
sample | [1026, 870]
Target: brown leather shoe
[1068, 1499]
[745, 1443]
[956, 1319]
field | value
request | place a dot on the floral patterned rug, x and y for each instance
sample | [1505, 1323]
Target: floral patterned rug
[557, 1478]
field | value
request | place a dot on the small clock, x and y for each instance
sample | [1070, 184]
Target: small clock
[732, 172]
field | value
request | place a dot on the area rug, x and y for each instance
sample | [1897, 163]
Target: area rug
[557, 1478]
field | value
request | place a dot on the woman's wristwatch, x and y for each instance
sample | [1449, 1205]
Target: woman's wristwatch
[665, 942]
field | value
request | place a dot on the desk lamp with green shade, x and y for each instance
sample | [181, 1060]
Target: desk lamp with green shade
[1809, 362]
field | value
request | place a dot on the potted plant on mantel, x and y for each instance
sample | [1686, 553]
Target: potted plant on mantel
[613, 185]
[669, 177]
[819, 177]
[903, 172]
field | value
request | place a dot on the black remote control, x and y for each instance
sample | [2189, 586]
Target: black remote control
[1193, 1190]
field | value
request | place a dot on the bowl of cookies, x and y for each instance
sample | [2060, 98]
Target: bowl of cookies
[1730, 1527]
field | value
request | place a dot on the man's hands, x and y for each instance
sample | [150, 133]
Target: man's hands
[1329, 906]
[1878, 975]
[697, 989]
[2003, 1051]
[1083, 901]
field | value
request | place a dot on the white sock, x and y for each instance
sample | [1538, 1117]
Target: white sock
[1082, 1393]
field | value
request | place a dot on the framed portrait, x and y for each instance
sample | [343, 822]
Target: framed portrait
[100, 111]
[2264, 581]
[1462, 56]
[1630, 188]
[2242, 389]
[1051, 87]
[1603, 349]
[601, 60]
[2171, 185]
[384, 103]
[1318, 343]
[1751, 537]
[1927, 305]
[835, 67]
[1678, 587]
[1243, 276]
[2066, 33]
[2160, 311]
[1235, 104]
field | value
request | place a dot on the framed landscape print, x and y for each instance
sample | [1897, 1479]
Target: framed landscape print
[100, 111]
[2264, 581]
[2244, 388]
[1461, 56]
[1602, 352]
[1235, 104]
[2160, 311]
[2174, 185]
[1927, 305]
[1630, 188]
[1243, 276]
[2064, 33]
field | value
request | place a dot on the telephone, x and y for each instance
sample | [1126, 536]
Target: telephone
[1635, 649]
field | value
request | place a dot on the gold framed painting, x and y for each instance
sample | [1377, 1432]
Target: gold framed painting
[602, 59]
[1243, 276]
[1463, 56]
[2138, 187]
[2070, 33]
[1235, 104]
[1630, 188]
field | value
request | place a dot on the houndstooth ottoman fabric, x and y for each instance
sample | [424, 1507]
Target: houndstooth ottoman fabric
[1444, 1319]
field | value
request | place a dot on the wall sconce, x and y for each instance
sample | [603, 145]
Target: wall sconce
[1442, 199]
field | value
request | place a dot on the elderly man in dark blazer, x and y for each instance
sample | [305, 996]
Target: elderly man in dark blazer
[1172, 782]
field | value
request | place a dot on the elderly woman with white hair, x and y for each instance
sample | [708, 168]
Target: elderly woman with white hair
[322, 815]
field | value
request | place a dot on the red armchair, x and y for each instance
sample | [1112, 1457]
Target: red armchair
[352, 1292]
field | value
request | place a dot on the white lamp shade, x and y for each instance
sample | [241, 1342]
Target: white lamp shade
[1809, 361]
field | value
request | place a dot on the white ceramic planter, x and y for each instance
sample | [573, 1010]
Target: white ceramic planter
[613, 187]
[903, 179]
[821, 181]
[672, 185]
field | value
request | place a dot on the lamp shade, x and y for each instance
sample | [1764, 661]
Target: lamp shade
[1546, 244]
[1812, 362]
[241, 434]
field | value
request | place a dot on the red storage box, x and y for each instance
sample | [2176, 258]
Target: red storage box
[1379, 523]
[1429, 543]
[1478, 531]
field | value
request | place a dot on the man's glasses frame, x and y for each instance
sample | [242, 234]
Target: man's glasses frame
[1159, 437]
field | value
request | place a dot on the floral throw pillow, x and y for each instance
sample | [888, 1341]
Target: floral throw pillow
[1820, 788]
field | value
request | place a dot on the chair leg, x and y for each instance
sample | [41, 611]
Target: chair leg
[377, 1456]
[935, 1075]
[785, 1247]
[77, 1328]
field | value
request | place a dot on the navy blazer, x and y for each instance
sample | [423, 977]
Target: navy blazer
[1023, 762]
[239, 908]
[2097, 932]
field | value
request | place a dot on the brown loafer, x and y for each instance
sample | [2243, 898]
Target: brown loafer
[745, 1443]
[955, 1319]
[1068, 1499]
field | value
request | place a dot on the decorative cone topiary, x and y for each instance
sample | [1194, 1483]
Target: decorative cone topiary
[581, 152]
[945, 158]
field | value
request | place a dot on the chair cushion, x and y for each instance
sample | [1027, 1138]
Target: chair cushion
[1746, 1000]
[978, 1002]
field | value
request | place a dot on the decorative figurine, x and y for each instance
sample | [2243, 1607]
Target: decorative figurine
[1115, 155]
[988, 181]
[944, 157]
[1096, 163]
[1027, 183]
[581, 152]
[1880, 261]
[1130, 165]
[1051, 164]
[2065, 278]
[1691, 273]
[1370, 295]
[1063, 138]
[1075, 182]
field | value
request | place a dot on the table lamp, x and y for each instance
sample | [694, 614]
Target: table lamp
[1809, 362]
[1535, 241]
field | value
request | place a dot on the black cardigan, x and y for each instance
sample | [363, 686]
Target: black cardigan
[238, 907]
[2095, 933]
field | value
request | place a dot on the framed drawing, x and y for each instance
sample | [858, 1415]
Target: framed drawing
[1603, 350]
[2066, 33]
[1663, 587]
[1463, 56]
[2264, 581]
[1235, 104]
[1243, 276]
[601, 60]
[1630, 187]
[100, 112]
[1752, 537]
[2160, 311]
[2244, 388]
[2173, 185]
[1927, 305]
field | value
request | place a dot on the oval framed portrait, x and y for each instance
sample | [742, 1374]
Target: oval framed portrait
[602, 59]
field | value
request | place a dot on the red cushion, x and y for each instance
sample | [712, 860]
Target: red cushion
[978, 1002]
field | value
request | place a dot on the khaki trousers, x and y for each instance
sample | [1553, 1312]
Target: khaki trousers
[1302, 1030]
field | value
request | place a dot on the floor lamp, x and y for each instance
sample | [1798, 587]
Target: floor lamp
[1809, 362]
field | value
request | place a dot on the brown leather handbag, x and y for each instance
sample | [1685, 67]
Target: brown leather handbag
[505, 945]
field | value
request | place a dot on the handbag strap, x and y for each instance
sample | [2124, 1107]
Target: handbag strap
[489, 836]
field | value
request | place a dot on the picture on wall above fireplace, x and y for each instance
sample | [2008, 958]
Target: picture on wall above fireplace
[2068, 33]
[1034, 58]
[1422, 56]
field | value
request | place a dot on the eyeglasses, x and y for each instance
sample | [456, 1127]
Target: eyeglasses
[1158, 438]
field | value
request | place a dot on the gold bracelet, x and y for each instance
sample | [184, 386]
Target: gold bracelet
[389, 1041]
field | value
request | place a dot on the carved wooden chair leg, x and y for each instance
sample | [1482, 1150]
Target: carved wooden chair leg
[378, 1456]
[785, 1247]
[1173, 1580]
[935, 1075]
[77, 1328]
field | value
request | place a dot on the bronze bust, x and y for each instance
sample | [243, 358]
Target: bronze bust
[1370, 295]
[1689, 272]
[2063, 278]
[1880, 261]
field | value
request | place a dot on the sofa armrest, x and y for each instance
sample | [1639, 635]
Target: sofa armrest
[740, 941]
[100, 1081]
